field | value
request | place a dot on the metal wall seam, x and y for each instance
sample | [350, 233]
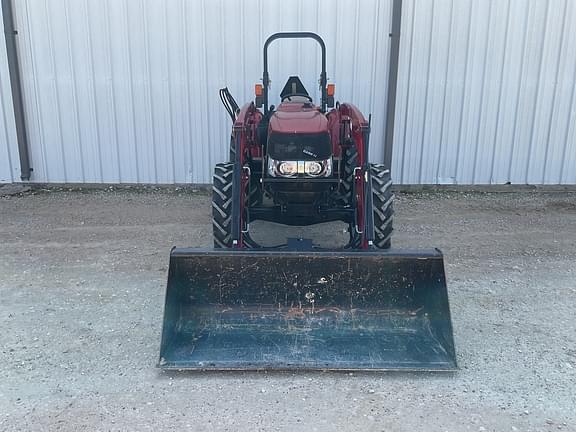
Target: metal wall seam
[8, 147]
[14, 150]
[8, 141]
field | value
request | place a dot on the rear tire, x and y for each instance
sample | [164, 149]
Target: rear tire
[383, 203]
[222, 205]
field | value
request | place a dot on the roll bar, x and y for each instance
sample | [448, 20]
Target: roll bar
[294, 35]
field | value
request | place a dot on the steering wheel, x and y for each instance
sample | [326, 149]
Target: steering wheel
[289, 98]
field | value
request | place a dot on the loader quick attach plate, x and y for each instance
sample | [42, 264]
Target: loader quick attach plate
[253, 310]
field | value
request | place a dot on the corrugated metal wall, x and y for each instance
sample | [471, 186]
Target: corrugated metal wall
[127, 90]
[9, 162]
[486, 94]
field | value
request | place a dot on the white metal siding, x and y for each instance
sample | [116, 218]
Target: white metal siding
[9, 162]
[486, 92]
[127, 90]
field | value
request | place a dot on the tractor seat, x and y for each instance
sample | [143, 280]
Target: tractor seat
[298, 98]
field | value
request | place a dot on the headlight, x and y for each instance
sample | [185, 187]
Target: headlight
[321, 168]
[288, 168]
[313, 168]
[318, 168]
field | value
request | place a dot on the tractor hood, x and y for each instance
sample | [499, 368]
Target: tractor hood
[295, 117]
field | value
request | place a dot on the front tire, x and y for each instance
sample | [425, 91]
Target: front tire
[383, 205]
[350, 162]
[222, 205]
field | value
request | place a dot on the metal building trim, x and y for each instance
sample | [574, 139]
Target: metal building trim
[10, 34]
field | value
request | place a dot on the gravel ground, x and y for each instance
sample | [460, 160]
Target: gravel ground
[82, 278]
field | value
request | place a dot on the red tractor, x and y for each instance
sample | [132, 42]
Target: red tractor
[241, 306]
[300, 163]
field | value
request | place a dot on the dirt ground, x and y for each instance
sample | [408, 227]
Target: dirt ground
[82, 279]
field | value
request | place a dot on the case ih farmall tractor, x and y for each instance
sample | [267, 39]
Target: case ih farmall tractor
[300, 163]
[295, 306]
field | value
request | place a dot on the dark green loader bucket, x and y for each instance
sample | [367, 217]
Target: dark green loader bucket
[262, 309]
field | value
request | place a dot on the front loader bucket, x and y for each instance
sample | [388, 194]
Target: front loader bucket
[262, 309]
